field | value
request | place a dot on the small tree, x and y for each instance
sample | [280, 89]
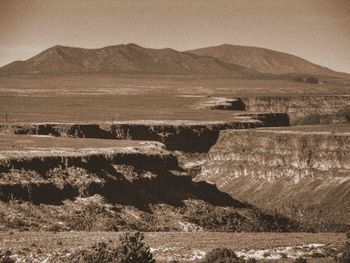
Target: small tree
[133, 249]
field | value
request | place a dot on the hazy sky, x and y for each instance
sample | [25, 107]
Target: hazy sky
[317, 30]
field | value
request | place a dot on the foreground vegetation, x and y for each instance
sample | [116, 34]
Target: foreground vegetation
[131, 247]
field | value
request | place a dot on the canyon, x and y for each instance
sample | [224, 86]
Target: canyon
[301, 172]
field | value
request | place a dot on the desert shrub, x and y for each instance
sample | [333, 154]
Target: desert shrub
[300, 79]
[98, 253]
[283, 255]
[318, 255]
[345, 113]
[348, 235]
[300, 260]
[266, 254]
[221, 255]
[251, 260]
[5, 257]
[344, 254]
[312, 80]
[133, 249]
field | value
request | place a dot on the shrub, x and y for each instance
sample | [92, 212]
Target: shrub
[283, 255]
[318, 255]
[300, 79]
[312, 80]
[344, 255]
[266, 254]
[5, 257]
[221, 255]
[300, 260]
[98, 253]
[133, 249]
[346, 114]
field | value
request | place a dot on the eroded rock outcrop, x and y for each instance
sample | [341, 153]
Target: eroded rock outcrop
[127, 188]
[189, 136]
[300, 107]
[304, 174]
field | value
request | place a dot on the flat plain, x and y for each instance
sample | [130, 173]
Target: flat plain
[101, 98]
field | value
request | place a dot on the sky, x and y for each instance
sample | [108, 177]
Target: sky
[317, 30]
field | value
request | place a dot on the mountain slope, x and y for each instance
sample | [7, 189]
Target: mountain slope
[129, 58]
[264, 60]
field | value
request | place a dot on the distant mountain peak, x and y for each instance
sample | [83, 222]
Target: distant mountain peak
[264, 60]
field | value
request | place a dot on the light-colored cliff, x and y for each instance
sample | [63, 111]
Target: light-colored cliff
[305, 174]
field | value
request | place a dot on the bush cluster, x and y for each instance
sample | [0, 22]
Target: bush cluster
[300, 260]
[344, 254]
[225, 255]
[5, 257]
[131, 250]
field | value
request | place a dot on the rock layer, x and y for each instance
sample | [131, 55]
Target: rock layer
[187, 136]
[299, 107]
[124, 189]
[303, 174]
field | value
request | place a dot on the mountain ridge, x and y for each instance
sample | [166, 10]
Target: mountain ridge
[265, 60]
[224, 60]
[129, 58]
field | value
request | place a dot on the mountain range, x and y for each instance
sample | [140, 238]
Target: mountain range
[225, 60]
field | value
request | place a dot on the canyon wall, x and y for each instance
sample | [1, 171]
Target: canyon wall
[189, 136]
[303, 174]
[133, 188]
[299, 107]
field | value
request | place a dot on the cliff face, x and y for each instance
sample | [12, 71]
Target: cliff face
[193, 137]
[129, 188]
[299, 107]
[189, 136]
[303, 174]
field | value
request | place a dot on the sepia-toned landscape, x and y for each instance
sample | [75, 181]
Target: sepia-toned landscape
[122, 153]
